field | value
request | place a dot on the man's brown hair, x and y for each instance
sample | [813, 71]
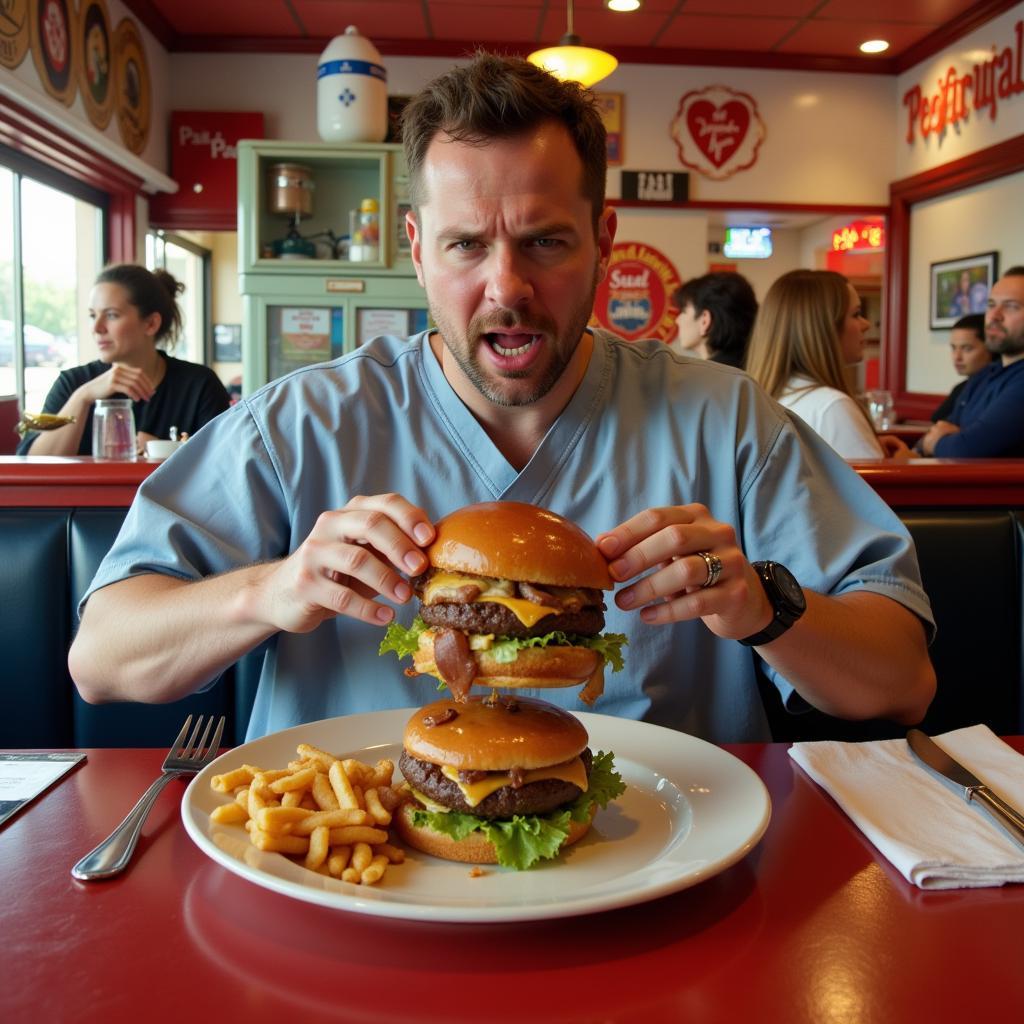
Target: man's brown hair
[497, 97]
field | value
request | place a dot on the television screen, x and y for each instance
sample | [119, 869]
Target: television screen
[747, 243]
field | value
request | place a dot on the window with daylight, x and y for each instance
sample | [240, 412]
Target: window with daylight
[190, 265]
[52, 233]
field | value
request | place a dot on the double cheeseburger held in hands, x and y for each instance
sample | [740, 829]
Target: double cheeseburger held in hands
[512, 598]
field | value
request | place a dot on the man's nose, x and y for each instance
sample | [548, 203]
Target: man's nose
[508, 282]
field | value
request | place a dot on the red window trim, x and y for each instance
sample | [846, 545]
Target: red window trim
[997, 161]
[23, 131]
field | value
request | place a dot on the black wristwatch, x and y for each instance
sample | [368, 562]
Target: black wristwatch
[785, 596]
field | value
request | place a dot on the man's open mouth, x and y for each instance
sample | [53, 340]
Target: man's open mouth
[508, 346]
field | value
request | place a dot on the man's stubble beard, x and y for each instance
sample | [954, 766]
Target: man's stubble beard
[465, 354]
[1007, 344]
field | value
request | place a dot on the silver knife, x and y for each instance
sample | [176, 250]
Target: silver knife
[936, 760]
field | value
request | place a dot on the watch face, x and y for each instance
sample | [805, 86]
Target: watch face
[788, 586]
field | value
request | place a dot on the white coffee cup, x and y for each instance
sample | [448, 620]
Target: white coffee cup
[161, 449]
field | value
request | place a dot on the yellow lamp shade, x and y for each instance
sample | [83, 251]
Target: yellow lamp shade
[581, 64]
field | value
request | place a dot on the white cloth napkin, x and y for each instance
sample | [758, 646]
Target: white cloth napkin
[933, 837]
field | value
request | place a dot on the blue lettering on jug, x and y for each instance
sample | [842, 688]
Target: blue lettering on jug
[351, 67]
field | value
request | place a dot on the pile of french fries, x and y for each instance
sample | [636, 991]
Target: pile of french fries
[329, 813]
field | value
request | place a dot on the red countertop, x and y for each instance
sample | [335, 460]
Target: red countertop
[811, 926]
[73, 481]
[58, 481]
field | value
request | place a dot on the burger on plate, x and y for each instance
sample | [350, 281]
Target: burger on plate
[512, 598]
[502, 779]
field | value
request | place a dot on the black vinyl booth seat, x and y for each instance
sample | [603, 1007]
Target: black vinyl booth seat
[971, 563]
[48, 557]
[972, 568]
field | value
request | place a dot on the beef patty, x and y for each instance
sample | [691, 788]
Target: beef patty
[532, 798]
[488, 617]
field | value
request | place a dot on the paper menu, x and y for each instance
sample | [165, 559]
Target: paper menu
[24, 776]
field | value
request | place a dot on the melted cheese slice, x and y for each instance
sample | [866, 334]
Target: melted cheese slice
[474, 792]
[528, 613]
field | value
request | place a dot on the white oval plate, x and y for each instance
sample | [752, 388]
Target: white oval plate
[691, 811]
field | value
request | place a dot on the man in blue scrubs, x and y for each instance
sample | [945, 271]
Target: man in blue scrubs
[293, 523]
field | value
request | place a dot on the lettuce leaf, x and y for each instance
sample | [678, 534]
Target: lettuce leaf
[403, 641]
[523, 840]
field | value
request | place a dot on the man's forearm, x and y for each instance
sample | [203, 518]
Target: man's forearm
[156, 638]
[857, 656]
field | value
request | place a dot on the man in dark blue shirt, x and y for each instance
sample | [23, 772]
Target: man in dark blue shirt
[988, 421]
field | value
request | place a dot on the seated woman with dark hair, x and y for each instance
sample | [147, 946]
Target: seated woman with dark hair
[716, 315]
[132, 310]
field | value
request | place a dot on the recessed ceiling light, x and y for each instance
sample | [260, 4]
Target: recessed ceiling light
[622, 5]
[874, 46]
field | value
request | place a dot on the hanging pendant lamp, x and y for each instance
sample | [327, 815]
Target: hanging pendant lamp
[571, 62]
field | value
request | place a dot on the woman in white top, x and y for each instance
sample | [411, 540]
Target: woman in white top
[810, 326]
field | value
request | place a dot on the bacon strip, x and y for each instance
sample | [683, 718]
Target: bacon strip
[536, 595]
[454, 661]
[565, 599]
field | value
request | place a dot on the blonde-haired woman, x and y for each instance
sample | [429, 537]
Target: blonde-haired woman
[809, 328]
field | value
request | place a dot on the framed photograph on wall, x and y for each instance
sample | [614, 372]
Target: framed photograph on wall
[959, 287]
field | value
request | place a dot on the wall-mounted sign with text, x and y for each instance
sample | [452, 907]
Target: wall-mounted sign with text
[656, 186]
[956, 95]
[635, 298]
[204, 162]
[717, 131]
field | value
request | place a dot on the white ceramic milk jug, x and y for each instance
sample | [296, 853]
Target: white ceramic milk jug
[351, 91]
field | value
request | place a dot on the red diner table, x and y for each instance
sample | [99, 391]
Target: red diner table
[811, 926]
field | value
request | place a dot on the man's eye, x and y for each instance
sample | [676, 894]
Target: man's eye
[546, 243]
[466, 245]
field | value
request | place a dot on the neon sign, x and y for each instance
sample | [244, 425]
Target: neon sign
[859, 236]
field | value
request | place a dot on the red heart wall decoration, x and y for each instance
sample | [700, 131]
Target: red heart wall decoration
[718, 131]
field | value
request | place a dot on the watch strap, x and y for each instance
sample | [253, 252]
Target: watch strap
[784, 612]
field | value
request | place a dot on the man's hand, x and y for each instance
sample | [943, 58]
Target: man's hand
[938, 431]
[351, 557]
[667, 541]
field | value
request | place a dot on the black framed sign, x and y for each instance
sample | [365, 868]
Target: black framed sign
[227, 343]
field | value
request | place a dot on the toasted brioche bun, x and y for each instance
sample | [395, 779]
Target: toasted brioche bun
[475, 848]
[535, 667]
[515, 541]
[489, 737]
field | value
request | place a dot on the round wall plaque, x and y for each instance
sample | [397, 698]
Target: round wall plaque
[131, 86]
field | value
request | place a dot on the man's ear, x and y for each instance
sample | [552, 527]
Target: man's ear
[705, 323]
[412, 229]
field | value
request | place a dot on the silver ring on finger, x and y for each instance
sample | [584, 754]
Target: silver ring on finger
[714, 564]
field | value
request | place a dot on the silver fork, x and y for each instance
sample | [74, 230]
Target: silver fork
[111, 857]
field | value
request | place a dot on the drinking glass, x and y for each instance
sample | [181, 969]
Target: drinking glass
[113, 430]
[881, 409]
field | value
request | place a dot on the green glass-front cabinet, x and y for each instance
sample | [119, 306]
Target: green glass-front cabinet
[324, 260]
